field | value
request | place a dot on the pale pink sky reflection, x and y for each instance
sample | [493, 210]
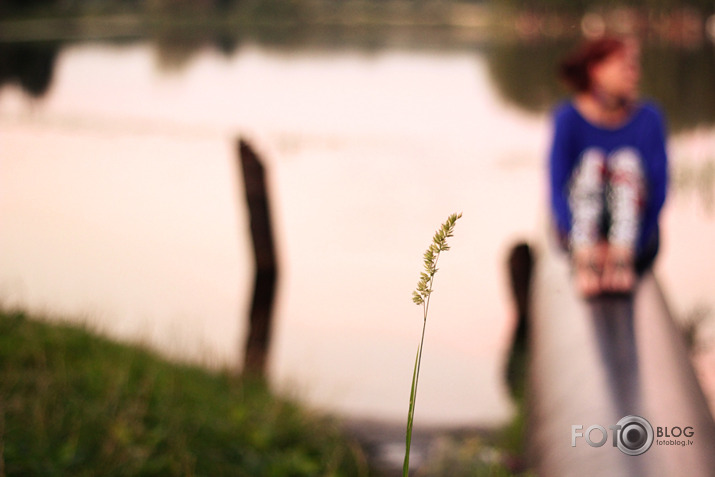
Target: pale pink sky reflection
[119, 201]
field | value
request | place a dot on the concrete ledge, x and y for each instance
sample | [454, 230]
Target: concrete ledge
[595, 362]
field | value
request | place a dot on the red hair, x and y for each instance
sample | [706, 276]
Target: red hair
[574, 70]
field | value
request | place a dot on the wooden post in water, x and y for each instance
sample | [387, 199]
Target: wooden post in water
[259, 330]
[520, 264]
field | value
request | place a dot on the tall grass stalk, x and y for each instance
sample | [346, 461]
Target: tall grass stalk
[421, 297]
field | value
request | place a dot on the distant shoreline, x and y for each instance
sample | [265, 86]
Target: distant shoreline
[414, 23]
[472, 18]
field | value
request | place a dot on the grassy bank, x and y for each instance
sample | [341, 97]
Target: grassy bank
[72, 403]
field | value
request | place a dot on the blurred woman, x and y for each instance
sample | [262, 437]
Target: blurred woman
[608, 168]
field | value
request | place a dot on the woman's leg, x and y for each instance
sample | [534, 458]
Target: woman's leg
[586, 201]
[624, 200]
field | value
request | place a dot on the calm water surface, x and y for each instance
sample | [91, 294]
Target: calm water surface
[121, 204]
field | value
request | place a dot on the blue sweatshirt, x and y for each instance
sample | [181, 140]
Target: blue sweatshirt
[644, 131]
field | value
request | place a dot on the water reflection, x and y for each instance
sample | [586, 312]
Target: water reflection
[525, 72]
[119, 200]
[697, 180]
[679, 77]
[682, 80]
[30, 65]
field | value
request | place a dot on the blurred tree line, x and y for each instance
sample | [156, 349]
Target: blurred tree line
[583, 6]
[678, 74]
[680, 79]
[29, 65]
[19, 7]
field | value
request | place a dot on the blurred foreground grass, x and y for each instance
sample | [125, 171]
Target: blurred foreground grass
[73, 403]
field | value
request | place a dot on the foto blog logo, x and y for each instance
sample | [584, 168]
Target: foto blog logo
[633, 435]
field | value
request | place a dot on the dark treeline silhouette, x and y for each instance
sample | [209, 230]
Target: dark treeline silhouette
[678, 71]
[523, 72]
[572, 6]
[29, 65]
[24, 6]
[680, 79]
[583, 6]
[10, 8]
[81, 7]
[287, 8]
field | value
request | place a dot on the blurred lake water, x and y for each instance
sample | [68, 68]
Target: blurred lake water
[121, 204]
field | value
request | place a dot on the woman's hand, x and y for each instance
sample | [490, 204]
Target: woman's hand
[588, 262]
[618, 272]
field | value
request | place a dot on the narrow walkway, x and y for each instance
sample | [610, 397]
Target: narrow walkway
[596, 362]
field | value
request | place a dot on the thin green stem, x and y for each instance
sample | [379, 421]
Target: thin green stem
[416, 376]
[422, 296]
[425, 308]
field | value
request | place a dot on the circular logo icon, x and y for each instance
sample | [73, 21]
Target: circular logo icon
[635, 435]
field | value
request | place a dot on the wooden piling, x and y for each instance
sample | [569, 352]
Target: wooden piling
[520, 266]
[266, 273]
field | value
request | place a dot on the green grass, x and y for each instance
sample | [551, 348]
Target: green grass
[73, 403]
